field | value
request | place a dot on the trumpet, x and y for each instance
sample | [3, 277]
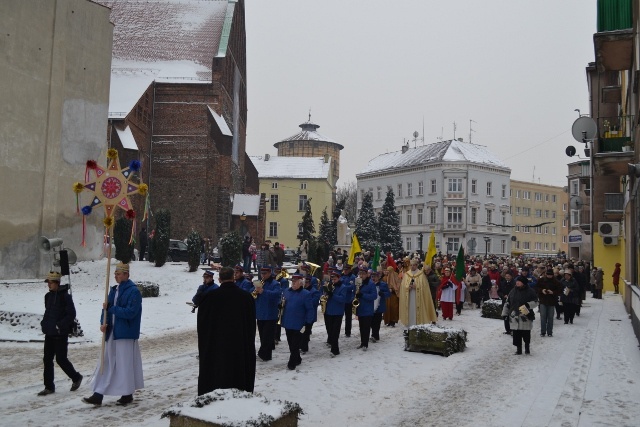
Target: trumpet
[356, 302]
[281, 309]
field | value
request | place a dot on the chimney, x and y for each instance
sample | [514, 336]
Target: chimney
[460, 140]
[267, 157]
[405, 148]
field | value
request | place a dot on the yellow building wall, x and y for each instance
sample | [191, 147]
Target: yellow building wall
[606, 257]
[288, 216]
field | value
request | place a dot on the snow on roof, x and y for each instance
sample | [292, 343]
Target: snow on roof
[220, 121]
[447, 151]
[127, 139]
[309, 133]
[168, 41]
[249, 204]
[291, 167]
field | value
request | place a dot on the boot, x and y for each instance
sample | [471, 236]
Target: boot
[518, 350]
[526, 349]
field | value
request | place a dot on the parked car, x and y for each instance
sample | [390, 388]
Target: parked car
[177, 251]
[290, 255]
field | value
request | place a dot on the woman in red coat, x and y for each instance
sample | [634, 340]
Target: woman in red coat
[616, 277]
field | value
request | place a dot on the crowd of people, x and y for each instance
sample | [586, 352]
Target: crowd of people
[386, 290]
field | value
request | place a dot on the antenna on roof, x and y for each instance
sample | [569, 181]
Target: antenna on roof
[415, 138]
[441, 134]
[470, 129]
[533, 178]
[454, 130]
[309, 113]
[423, 129]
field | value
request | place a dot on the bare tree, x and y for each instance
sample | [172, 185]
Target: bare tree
[348, 194]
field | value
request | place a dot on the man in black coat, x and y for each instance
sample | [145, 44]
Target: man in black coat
[226, 337]
[56, 323]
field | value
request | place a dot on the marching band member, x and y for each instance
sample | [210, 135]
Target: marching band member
[348, 279]
[298, 311]
[338, 295]
[379, 305]
[241, 282]
[310, 284]
[267, 300]
[447, 293]
[367, 294]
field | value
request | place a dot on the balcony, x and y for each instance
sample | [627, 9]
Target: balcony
[615, 146]
[613, 42]
[613, 205]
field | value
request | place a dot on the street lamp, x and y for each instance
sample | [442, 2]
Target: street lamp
[243, 228]
[487, 239]
[420, 242]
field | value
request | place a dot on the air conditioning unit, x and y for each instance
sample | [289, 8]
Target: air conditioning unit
[611, 229]
[609, 241]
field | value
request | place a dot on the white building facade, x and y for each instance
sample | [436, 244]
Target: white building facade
[460, 190]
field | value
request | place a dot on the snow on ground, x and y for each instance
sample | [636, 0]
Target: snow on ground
[588, 374]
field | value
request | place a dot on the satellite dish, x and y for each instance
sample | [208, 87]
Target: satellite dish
[584, 128]
[570, 151]
[514, 238]
[415, 134]
[576, 202]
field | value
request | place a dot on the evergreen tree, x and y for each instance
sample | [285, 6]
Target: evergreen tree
[121, 237]
[161, 237]
[366, 225]
[231, 247]
[308, 227]
[194, 244]
[389, 226]
[326, 238]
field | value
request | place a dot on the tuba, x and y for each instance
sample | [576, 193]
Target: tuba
[356, 302]
[284, 274]
[313, 266]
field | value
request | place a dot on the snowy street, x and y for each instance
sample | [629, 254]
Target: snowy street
[586, 374]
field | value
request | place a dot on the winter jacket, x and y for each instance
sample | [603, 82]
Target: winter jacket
[337, 299]
[202, 291]
[127, 312]
[550, 285]
[244, 284]
[59, 312]
[616, 274]
[278, 253]
[517, 297]
[505, 288]
[570, 291]
[383, 294]
[298, 309]
[315, 299]
[267, 302]
[349, 280]
[368, 295]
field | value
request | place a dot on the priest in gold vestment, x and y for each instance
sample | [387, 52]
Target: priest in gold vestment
[416, 304]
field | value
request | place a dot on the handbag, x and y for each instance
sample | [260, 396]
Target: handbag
[75, 330]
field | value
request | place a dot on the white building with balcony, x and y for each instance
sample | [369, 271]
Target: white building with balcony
[458, 189]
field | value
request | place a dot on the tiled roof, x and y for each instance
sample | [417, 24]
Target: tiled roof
[448, 151]
[291, 167]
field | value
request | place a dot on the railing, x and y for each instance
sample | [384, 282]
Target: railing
[614, 134]
[613, 202]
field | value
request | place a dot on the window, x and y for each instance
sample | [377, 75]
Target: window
[303, 185]
[518, 244]
[553, 198]
[526, 245]
[399, 190]
[575, 217]
[488, 189]
[553, 231]
[510, 192]
[432, 215]
[553, 247]
[474, 186]
[553, 214]
[538, 230]
[453, 244]
[503, 246]
[454, 214]
[504, 218]
[434, 186]
[379, 192]
[546, 197]
[420, 216]
[517, 194]
[517, 228]
[526, 211]
[517, 210]
[489, 219]
[274, 185]
[538, 213]
[546, 214]
[409, 189]
[399, 212]
[538, 246]
[564, 207]
[273, 229]
[564, 239]
[455, 185]
[504, 190]
[408, 244]
[546, 246]
[409, 215]
[474, 215]
[526, 195]
[273, 202]
[574, 187]
[302, 202]
[420, 188]
[564, 223]
[526, 229]
[546, 229]
[538, 197]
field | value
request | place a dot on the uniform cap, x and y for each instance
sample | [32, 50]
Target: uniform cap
[53, 276]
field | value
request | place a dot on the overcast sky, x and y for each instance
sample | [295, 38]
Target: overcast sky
[370, 71]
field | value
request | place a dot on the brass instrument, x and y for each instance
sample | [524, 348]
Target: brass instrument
[283, 300]
[356, 302]
[313, 266]
[284, 274]
[324, 298]
[254, 293]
